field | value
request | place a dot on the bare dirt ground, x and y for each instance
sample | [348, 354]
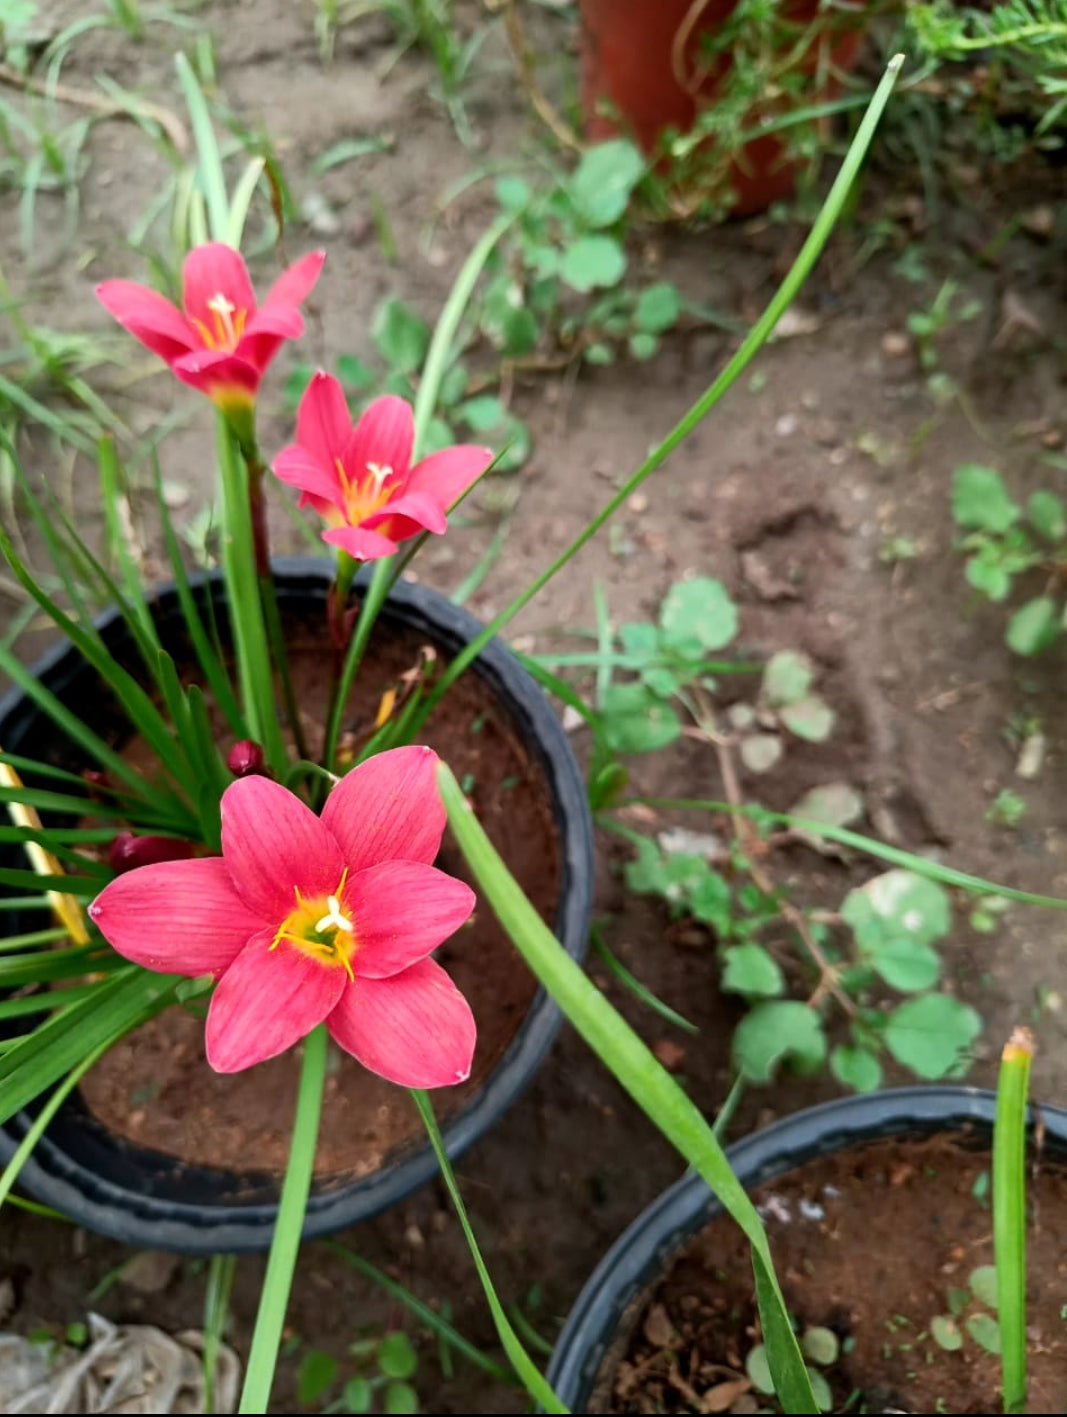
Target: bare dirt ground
[807, 472]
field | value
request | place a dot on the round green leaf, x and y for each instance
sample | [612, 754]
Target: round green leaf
[592, 263]
[358, 1395]
[1034, 627]
[658, 308]
[980, 499]
[820, 1389]
[400, 336]
[985, 1331]
[698, 616]
[835, 804]
[643, 346]
[983, 1282]
[897, 905]
[930, 1035]
[760, 751]
[1047, 516]
[316, 1373]
[856, 1068]
[810, 718]
[602, 182]
[400, 1398]
[821, 1345]
[945, 1332]
[907, 965]
[635, 720]
[396, 1357]
[773, 1032]
[753, 971]
[512, 193]
[759, 1369]
[786, 678]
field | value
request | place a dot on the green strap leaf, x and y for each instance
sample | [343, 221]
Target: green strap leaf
[633, 1064]
[523, 1364]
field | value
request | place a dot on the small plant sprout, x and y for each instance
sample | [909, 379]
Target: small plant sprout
[1005, 542]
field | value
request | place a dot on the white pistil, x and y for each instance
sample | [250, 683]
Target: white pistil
[224, 310]
[379, 472]
[334, 918]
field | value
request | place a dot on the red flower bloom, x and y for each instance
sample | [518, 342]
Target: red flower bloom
[306, 919]
[220, 342]
[360, 479]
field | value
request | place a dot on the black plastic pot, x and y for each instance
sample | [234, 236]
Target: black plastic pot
[145, 1198]
[607, 1306]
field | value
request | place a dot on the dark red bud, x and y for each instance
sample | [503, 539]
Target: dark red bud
[98, 783]
[129, 851]
[245, 759]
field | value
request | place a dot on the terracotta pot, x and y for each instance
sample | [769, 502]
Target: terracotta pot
[671, 1238]
[104, 1174]
[642, 71]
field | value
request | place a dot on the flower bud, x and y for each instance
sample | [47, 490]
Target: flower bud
[129, 851]
[245, 759]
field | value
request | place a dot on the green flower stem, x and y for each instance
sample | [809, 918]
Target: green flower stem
[523, 1364]
[750, 347]
[245, 607]
[373, 600]
[268, 593]
[448, 325]
[425, 402]
[1009, 1213]
[285, 1246]
[633, 1064]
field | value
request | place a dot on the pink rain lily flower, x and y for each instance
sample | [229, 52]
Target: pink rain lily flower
[307, 919]
[220, 341]
[360, 479]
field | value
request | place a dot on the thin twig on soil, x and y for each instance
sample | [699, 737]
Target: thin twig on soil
[751, 845]
[171, 124]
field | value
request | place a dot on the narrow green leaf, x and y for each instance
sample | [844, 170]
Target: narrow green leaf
[633, 1064]
[1009, 1214]
[531, 1376]
[285, 1246]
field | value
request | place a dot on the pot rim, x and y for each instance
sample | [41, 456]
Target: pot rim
[645, 1248]
[123, 1211]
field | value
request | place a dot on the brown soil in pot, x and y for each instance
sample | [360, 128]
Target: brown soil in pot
[867, 1243]
[156, 1088]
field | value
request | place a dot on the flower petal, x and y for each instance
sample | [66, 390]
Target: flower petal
[447, 474]
[414, 509]
[361, 545]
[388, 809]
[211, 270]
[415, 1029]
[401, 911]
[383, 436]
[294, 285]
[217, 374]
[178, 917]
[323, 423]
[266, 1001]
[274, 845]
[149, 317]
[299, 467]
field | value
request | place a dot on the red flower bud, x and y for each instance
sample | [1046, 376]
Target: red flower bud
[245, 759]
[98, 783]
[129, 851]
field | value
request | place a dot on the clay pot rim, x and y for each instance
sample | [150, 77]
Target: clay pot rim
[71, 1183]
[647, 1247]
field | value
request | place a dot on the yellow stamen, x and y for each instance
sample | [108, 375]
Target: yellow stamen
[227, 324]
[320, 928]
